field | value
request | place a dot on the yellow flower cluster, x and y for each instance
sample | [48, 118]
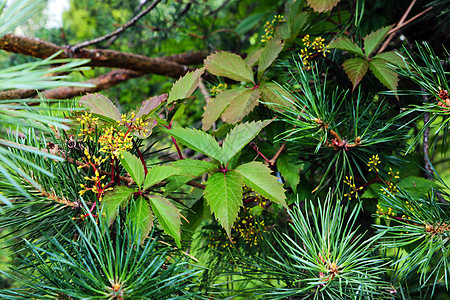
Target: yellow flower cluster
[269, 28]
[97, 187]
[113, 142]
[249, 228]
[390, 190]
[393, 175]
[389, 212]
[88, 125]
[374, 161]
[131, 122]
[312, 49]
[353, 189]
[217, 89]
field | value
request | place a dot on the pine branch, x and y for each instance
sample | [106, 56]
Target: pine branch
[102, 82]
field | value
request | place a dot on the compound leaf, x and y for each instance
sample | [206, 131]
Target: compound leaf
[240, 136]
[240, 106]
[100, 105]
[374, 39]
[355, 68]
[217, 105]
[387, 77]
[112, 200]
[257, 176]
[185, 86]
[168, 216]
[229, 65]
[322, 5]
[197, 140]
[345, 44]
[223, 193]
[133, 166]
[159, 173]
[141, 216]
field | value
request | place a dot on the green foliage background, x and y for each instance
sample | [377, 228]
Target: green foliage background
[305, 158]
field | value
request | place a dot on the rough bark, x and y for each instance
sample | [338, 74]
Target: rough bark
[171, 66]
[131, 65]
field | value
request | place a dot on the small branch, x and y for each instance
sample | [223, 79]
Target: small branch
[275, 157]
[77, 163]
[119, 30]
[426, 147]
[219, 8]
[401, 24]
[196, 184]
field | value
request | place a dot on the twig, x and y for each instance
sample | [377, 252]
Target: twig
[401, 24]
[426, 147]
[219, 8]
[119, 30]
[275, 157]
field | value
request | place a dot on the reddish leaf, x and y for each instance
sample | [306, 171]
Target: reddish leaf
[356, 68]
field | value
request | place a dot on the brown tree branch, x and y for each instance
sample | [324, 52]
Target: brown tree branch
[30, 46]
[401, 24]
[117, 31]
[167, 66]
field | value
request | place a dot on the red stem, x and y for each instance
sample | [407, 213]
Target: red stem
[142, 161]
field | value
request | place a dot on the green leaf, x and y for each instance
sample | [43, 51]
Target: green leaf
[417, 186]
[217, 105]
[197, 140]
[114, 199]
[240, 106]
[100, 105]
[392, 57]
[269, 54]
[168, 216]
[149, 106]
[192, 167]
[141, 133]
[387, 77]
[185, 86]
[373, 191]
[289, 170]
[249, 22]
[273, 93]
[295, 21]
[355, 68]
[133, 166]
[197, 213]
[240, 136]
[253, 57]
[322, 5]
[141, 216]
[174, 182]
[374, 39]
[345, 44]
[257, 176]
[223, 193]
[159, 173]
[229, 65]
